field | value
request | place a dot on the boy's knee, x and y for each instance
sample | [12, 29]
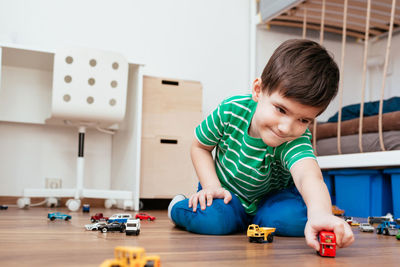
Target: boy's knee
[217, 219]
[288, 216]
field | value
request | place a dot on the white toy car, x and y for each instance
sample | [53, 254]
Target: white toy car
[120, 217]
[366, 227]
[94, 226]
[132, 227]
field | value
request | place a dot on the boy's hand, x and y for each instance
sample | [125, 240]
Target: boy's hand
[329, 222]
[206, 196]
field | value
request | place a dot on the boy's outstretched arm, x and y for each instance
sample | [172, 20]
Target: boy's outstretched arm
[205, 168]
[308, 179]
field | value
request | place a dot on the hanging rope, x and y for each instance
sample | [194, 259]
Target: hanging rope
[341, 77]
[321, 40]
[364, 77]
[304, 23]
[385, 67]
[321, 34]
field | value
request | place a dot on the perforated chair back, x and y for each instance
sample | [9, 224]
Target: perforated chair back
[89, 85]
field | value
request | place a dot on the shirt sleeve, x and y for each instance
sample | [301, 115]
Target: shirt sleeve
[296, 150]
[210, 130]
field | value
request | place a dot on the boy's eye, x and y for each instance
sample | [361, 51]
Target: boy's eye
[281, 110]
[304, 121]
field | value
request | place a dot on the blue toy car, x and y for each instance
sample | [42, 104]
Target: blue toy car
[387, 228]
[121, 218]
[58, 215]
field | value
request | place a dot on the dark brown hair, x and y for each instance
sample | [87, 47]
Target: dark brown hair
[304, 71]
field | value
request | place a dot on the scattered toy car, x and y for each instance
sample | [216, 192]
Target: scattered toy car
[85, 208]
[327, 241]
[95, 226]
[366, 227]
[3, 207]
[336, 211]
[260, 234]
[398, 235]
[349, 220]
[387, 217]
[387, 228]
[121, 217]
[58, 215]
[131, 256]
[98, 217]
[114, 226]
[132, 227]
[145, 216]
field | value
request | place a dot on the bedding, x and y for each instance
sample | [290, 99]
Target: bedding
[349, 143]
[390, 122]
[370, 109]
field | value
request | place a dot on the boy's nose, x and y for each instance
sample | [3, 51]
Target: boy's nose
[284, 128]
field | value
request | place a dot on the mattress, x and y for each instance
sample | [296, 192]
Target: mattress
[349, 143]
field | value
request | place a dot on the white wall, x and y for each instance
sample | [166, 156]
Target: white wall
[203, 40]
[392, 83]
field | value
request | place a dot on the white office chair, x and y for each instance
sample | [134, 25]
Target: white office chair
[89, 90]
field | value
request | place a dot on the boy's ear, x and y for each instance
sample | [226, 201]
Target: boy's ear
[256, 89]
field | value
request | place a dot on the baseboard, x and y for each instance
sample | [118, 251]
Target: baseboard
[12, 200]
[148, 204]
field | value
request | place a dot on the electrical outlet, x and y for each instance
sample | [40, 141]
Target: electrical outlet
[53, 183]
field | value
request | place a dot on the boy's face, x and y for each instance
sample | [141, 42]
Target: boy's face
[278, 119]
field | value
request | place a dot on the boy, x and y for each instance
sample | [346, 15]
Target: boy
[265, 171]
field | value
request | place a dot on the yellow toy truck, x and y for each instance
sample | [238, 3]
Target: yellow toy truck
[131, 257]
[260, 234]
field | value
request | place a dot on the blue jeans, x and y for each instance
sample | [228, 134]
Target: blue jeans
[284, 210]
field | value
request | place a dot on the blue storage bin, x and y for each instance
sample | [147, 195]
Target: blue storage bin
[395, 180]
[329, 181]
[362, 193]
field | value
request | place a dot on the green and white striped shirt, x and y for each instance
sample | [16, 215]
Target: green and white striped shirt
[245, 165]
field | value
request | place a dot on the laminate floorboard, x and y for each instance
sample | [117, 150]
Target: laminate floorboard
[28, 238]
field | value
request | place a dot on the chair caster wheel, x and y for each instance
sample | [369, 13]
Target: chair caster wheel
[23, 202]
[110, 203]
[73, 204]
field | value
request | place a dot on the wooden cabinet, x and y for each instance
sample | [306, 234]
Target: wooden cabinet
[171, 112]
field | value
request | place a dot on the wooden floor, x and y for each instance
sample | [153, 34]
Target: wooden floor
[28, 238]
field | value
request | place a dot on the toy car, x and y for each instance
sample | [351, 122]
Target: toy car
[327, 241]
[145, 216]
[121, 218]
[3, 207]
[398, 235]
[95, 226]
[85, 208]
[132, 227]
[131, 256]
[336, 211]
[366, 227]
[349, 220]
[58, 215]
[387, 228]
[114, 226]
[387, 217]
[98, 217]
[260, 234]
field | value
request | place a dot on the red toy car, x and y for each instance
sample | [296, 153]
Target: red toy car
[145, 216]
[327, 241]
[98, 217]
